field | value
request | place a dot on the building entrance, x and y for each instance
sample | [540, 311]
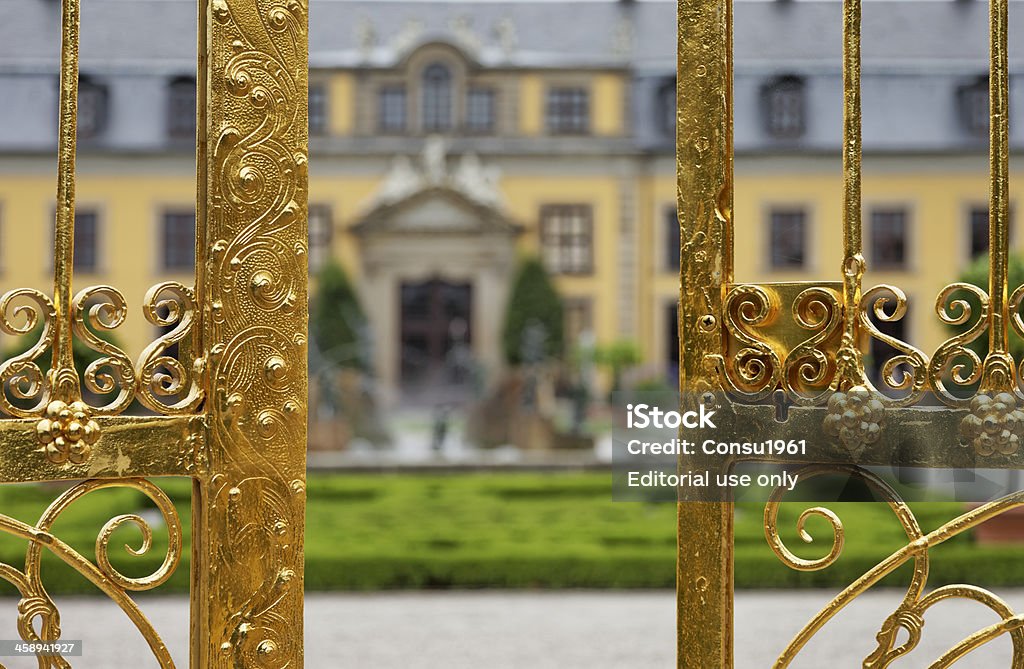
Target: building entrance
[436, 317]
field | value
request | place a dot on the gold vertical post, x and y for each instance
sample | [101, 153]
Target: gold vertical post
[998, 373]
[851, 373]
[852, 244]
[999, 186]
[704, 577]
[250, 487]
[64, 226]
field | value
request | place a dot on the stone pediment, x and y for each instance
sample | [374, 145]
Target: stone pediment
[436, 210]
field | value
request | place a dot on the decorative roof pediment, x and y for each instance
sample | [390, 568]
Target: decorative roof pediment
[428, 197]
[436, 210]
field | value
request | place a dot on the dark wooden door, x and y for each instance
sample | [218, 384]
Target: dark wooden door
[436, 317]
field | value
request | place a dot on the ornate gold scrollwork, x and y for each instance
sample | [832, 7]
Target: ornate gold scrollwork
[162, 377]
[755, 370]
[36, 604]
[20, 376]
[953, 357]
[909, 615]
[1017, 325]
[808, 368]
[107, 310]
[910, 363]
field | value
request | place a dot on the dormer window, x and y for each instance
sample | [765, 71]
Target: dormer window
[665, 109]
[92, 108]
[972, 100]
[181, 108]
[783, 107]
[437, 98]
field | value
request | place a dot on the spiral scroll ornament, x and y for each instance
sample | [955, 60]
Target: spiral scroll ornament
[38, 616]
[100, 309]
[901, 631]
[168, 384]
[25, 388]
[755, 370]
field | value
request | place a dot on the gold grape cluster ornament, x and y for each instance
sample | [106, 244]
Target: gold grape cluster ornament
[855, 417]
[67, 433]
[994, 425]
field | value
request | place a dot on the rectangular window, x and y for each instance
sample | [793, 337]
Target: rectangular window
[978, 231]
[889, 238]
[671, 239]
[92, 108]
[568, 111]
[321, 230]
[784, 107]
[86, 241]
[179, 240]
[181, 109]
[480, 110]
[317, 109]
[788, 238]
[392, 109]
[567, 238]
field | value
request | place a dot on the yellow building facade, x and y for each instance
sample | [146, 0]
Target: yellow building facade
[447, 142]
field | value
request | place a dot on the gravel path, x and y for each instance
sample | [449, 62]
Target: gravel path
[534, 630]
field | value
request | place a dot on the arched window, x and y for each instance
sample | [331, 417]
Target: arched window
[437, 98]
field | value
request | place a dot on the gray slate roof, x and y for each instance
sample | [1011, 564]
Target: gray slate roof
[130, 34]
[917, 53]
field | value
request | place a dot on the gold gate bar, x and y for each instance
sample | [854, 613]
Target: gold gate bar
[850, 375]
[852, 239]
[64, 229]
[999, 185]
[704, 578]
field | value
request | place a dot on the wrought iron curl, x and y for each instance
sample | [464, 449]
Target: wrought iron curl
[755, 370]
[807, 366]
[21, 375]
[104, 308]
[953, 357]
[913, 380]
[36, 604]
[903, 514]
[162, 376]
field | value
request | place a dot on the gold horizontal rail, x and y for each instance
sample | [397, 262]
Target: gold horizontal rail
[131, 447]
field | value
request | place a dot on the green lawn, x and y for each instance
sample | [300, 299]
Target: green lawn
[512, 531]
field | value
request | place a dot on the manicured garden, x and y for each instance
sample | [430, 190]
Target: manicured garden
[511, 530]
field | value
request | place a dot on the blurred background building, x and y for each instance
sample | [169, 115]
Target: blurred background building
[449, 140]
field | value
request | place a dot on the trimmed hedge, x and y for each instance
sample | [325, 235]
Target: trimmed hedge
[516, 530]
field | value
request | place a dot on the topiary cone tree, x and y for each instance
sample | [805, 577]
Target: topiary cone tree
[337, 322]
[533, 305]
